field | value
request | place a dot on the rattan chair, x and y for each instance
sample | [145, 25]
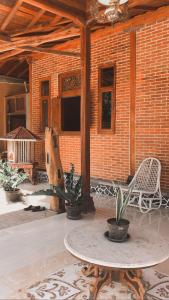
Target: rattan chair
[145, 186]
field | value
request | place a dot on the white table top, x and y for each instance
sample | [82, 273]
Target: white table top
[144, 248]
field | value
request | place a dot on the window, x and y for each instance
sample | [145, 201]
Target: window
[70, 84]
[45, 90]
[45, 103]
[15, 112]
[44, 113]
[70, 117]
[106, 110]
[107, 99]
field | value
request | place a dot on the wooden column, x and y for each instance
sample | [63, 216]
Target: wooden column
[29, 61]
[132, 101]
[85, 118]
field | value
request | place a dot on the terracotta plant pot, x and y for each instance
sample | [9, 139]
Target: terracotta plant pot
[118, 231]
[13, 196]
[73, 212]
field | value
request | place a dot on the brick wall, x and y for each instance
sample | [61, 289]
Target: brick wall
[110, 154]
[52, 66]
[152, 90]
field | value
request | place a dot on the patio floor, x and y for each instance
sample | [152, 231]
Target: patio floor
[33, 250]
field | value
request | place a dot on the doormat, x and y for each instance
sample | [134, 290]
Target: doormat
[20, 217]
[70, 284]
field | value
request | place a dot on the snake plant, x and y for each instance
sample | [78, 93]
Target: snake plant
[122, 200]
[71, 193]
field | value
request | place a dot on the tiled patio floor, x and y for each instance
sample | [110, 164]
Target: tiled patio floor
[30, 252]
[20, 217]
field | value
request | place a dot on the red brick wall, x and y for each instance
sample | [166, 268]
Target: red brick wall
[152, 90]
[110, 154]
[52, 66]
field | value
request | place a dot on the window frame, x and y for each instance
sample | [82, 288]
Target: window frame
[67, 94]
[48, 98]
[9, 115]
[101, 90]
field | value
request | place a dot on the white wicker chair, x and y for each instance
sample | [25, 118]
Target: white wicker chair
[145, 186]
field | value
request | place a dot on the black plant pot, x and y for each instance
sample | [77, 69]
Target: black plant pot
[13, 196]
[118, 231]
[73, 212]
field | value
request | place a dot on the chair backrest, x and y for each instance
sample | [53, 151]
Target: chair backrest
[147, 177]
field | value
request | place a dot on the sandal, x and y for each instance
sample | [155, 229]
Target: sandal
[29, 207]
[38, 208]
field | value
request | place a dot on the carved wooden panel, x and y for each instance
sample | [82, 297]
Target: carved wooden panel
[71, 82]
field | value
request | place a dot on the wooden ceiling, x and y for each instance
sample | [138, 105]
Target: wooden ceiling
[28, 26]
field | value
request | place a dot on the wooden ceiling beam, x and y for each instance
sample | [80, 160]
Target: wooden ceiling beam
[145, 7]
[36, 41]
[72, 44]
[56, 20]
[4, 37]
[10, 54]
[42, 28]
[50, 51]
[23, 12]
[42, 35]
[64, 32]
[36, 18]
[10, 15]
[134, 3]
[81, 5]
[60, 9]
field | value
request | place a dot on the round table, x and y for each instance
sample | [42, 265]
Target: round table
[108, 260]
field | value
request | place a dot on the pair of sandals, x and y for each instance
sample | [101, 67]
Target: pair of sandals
[35, 208]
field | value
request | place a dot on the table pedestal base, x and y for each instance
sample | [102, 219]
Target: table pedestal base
[104, 276]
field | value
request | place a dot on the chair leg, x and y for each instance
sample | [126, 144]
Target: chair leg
[160, 197]
[146, 208]
[144, 203]
[160, 202]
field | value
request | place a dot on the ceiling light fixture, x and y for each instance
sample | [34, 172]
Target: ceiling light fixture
[105, 11]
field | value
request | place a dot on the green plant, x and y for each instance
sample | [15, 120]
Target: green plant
[122, 200]
[72, 191]
[10, 178]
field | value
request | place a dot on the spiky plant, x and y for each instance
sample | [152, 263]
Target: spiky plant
[72, 191]
[10, 178]
[122, 200]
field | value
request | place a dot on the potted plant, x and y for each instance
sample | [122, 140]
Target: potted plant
[71, 194]
[118, 226]
[9, 180]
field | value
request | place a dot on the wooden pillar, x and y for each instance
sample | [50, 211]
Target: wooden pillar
[29, 61]
[85, 118]
[132, 101]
